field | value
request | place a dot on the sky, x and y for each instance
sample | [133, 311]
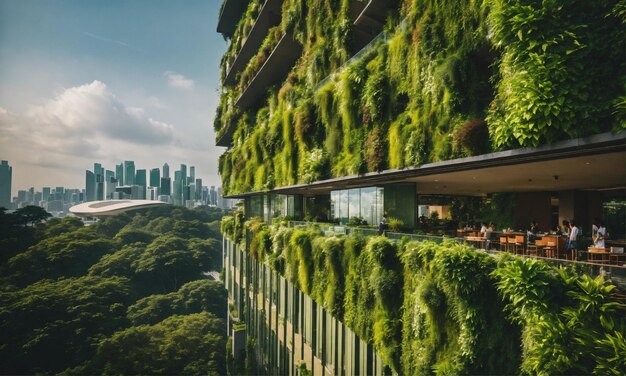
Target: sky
[84, 81]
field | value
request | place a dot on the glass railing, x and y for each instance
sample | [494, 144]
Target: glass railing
[382, 37]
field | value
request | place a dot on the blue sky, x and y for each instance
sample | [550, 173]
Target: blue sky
[86, 81]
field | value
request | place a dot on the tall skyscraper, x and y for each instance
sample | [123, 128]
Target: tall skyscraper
[6, 176]
[140, 180]
[109, 182]
[90, 186]
[192, 174]
[155, 177]
[183, 172]
[177, 194]
[119, 173]
[166, 186]
[45, 193]
[97, 169]
[213, 196]
[129, 173]
[198, 189]
[166, 170]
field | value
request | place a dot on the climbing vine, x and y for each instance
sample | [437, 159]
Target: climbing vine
[446, 79]
[448, 308]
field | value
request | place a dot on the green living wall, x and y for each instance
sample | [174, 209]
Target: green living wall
[447, 79]
[447, 308]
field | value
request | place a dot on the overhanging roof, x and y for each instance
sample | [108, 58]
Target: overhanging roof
[229, 16]
[594, 162]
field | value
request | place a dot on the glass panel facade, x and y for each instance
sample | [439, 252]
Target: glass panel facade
[354, 203]
[273, 206]
[366, 203]
[401, 202]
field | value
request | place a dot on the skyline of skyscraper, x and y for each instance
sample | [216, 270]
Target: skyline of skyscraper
[119, 173]
[90, 186]
[6, 178]
[155, 177]
[129, 172]
[166, 170]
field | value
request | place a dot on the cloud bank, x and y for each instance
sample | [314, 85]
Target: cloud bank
[82, 125]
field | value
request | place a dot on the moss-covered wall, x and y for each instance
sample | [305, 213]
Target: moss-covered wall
[447, 308]
[452, 78]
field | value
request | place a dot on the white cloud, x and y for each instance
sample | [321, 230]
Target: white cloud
[79, 126]
[178, 81]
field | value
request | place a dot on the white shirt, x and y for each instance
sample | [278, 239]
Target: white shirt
[573, 234]
[600, 234]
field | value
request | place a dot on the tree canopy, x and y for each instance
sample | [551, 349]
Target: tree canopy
[126, 295]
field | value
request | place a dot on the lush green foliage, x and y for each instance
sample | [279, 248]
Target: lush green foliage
[452, 78]
[448, 309]
[125, 295]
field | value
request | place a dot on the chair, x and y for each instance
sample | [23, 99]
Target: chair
[503, 243]
[537, 248]
[510, 244]
[520, 244]
[551, 247]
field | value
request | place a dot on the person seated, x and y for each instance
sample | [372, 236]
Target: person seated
[600, 234]
[533, 231]
[483, 230]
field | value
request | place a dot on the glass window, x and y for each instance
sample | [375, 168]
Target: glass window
[344, 205]
[368, 205]
[400, 202]
[354, 203]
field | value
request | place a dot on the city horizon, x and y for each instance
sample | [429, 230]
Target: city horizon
[92, 81]
[81, 177]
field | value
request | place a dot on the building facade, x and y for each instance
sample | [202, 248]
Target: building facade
[357, 111]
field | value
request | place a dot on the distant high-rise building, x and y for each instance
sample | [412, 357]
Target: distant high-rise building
[59, 193]
[90, 186]
[6, 176]
[192, 174]
[129, 172]
[45, 193]
[183, 172]
[119, 173]
[99, 186]
[166, 186]
[140, 180]
[166, 170]
[213, 196]
[152, 193]
[97, 169]
[177, 193]
[155, 177]
[198, 189]
[109, 182]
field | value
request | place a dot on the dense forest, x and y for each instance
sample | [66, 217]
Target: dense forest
[126, 295]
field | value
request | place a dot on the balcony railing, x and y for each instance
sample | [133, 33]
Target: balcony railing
[616, 273]
[269, 16]
[274, 70]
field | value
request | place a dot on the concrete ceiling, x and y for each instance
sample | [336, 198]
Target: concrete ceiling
[603, 171]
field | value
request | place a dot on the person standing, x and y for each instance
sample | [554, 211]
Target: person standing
[572, 240]
[382, 226]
